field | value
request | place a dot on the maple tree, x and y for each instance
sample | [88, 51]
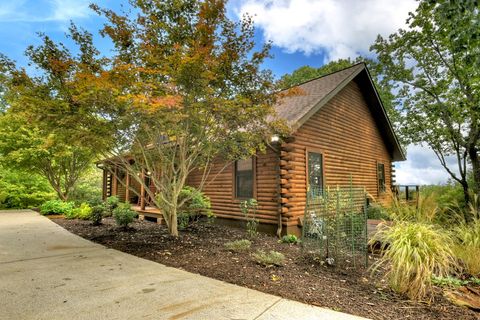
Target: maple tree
[188, 90]
[49, 125]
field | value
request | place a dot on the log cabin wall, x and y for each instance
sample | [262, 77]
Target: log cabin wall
[345, 133]
[220, 189]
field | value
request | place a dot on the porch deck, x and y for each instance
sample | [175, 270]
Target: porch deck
[149, 213]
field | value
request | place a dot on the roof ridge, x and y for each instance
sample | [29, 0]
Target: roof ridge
[323, 76]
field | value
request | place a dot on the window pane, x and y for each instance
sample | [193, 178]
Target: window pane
[244, 186]
[381, 176]
[244, 178]
[315, 171]
[245, 165]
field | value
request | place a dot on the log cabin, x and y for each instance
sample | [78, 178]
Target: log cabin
[340, 135]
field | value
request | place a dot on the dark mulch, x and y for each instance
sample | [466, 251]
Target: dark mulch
[200, 249]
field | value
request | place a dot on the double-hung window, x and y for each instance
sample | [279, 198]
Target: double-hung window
[244, 178]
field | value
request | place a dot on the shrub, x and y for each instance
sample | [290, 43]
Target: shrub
[449, 281]
[97, 214]
[57, 207]
[413, 253]
[467, 248]
[195, 204]
[111, 203]
[238, 245]
[20, 189]
[377, 212]
[88, 187]
[267, 259]
[124, 215]
[84, 211]
[249, 210]
[290, 238]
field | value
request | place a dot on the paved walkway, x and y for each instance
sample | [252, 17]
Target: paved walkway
[48, 273]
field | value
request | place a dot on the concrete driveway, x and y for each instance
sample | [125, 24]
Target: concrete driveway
[48, 273]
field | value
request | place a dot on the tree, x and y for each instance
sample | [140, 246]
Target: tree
[190, 91]
[433, 65]
[50, 127]
[307, 73]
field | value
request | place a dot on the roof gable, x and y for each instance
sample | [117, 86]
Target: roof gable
[314, 94]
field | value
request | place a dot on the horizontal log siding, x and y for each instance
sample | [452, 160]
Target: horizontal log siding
[345, 131]
[220, 189]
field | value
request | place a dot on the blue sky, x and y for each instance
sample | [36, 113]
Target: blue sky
[304, 32]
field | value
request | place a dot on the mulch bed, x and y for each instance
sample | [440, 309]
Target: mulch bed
[200, 249]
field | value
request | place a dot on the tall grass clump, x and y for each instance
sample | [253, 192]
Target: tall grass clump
[467, 247]
[425, 210]
[414, 252]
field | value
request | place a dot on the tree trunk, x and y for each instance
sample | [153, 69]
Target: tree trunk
[173, 226]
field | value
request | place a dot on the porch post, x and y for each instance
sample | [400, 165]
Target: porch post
[142, 191]
[127, 188]
[104, 185]
[115, 181]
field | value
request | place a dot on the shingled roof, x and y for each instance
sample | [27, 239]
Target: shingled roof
[314, 94]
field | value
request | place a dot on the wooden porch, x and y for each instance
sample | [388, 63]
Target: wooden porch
[149, 213]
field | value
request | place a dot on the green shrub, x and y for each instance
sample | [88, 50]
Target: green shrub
[249, 209]
[111, 203]
[377, 212]
[267, 259]
[20, 189]
[238, 245]
[88, 188]
[413, 253]
[84, 211]
[193, 205]
[97, 214]
[57, 207]
[449, 281]
[124, 215]
[290, 238]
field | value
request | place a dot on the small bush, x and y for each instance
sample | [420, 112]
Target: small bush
[84, 211]
[290, 238]
[449, 281]
[111, 203]
[56, 207]
[249, 210]
[195, 204]
[377, 212]
[124, 215]
[97, 214]
[267, 259]
[238, 245]
[414, 253]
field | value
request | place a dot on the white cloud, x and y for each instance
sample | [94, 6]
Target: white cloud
[422, 167]
[69, 9]
[340, 28]
[44, 11]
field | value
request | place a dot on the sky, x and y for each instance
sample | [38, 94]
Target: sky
[303, 32]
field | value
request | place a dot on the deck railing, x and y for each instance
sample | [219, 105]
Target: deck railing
[406, 192]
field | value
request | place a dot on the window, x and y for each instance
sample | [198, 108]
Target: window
[381, 177]
[244, 178]
[315, 172]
